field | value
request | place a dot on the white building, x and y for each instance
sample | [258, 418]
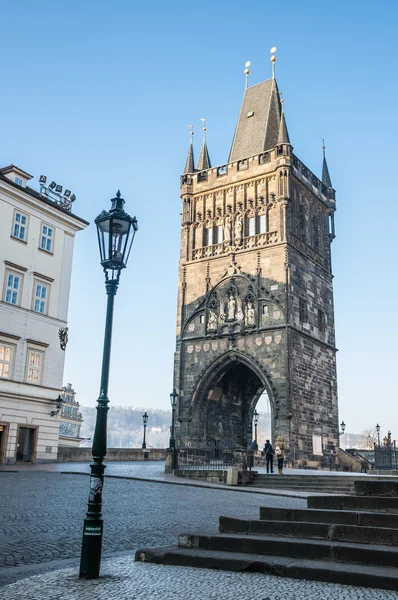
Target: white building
[71, 419]
[37, 233]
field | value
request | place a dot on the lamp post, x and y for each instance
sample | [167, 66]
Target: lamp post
[378, 434]
[116, 231]
[343, 426]
[173, 400]
[145, 421]
[255, 415]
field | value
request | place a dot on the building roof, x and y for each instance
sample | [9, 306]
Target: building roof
[11, 168]
[283, 135]
[259, 120]
[35, 194]
[325, 172]
[204, 158]
[190, 164]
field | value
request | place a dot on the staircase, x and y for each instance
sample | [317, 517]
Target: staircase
[341, 539]
[326, 484]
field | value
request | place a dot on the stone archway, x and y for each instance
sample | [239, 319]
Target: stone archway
[226, 397]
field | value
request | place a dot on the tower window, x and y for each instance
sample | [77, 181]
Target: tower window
[251, 226]
[262, 223]
[218, 234]
[208, 237]
[303, 311]
[321, 320]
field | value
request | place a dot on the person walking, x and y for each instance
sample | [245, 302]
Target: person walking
[269, 456]
[280, 452]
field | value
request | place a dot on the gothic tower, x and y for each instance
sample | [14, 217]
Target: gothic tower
[255, 295]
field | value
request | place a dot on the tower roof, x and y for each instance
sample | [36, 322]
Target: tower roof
[204, 158]
[325, 172]
[259, 121]
[283, 136]
[190, 164]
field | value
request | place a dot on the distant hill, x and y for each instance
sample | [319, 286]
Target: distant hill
[125, 428]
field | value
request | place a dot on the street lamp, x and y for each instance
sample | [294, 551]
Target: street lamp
[343, 426]
[378, 434]
[255, 415]
[145, 421]
[173, 400]
[116, 231]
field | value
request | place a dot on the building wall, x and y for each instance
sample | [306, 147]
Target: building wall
[23, 329]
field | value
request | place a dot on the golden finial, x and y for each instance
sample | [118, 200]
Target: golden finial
[273, 60]
[247, 71]
[323, 145]
[203, 119]
[191, 133]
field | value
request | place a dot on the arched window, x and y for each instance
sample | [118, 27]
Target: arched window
[302, 221]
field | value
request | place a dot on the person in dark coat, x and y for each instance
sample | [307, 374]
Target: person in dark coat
[269, 456]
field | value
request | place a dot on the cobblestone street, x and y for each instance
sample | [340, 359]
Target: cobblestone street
[41, 517]
[41, 513]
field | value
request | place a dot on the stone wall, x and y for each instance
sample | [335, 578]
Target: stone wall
[113, 454]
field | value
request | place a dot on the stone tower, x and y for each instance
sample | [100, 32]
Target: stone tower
[255, 295]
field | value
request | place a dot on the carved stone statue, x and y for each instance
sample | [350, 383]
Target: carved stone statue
[249, 320]
[239, 312]
[212, 322]
[228, 229]
[231, 307]
[238, 230]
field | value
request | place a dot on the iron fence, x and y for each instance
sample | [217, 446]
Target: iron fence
[386, 457]
[206, 455]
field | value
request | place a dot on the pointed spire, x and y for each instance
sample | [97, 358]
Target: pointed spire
[190, 164]
[204, 158]
[283, 136]
[325, 171]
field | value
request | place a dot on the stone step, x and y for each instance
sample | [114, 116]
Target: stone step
[311, 530]
[367, 503]
[313, 549]
[296, 487]
[337, 517]
[379, 577]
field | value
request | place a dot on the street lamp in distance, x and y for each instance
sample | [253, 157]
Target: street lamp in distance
[255, 415]
[173, 401]
[116, 231]
[145, 421]
[343, 426]
[378, 434]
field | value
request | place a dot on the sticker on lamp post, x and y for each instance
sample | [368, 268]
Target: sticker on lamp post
[92, 530]
[95, 488]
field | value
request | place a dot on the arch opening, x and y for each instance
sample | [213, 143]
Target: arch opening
[225, 402]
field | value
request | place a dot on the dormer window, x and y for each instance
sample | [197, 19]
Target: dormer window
[18, 181]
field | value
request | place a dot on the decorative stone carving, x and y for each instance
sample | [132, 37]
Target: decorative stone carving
[212, 323]
[249, 316]
[231, 307]
[238, 230]
[228, 229]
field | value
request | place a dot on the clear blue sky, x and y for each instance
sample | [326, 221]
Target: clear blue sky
[97, 95]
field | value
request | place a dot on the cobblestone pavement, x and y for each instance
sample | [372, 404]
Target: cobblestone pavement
[122, 579]
[41, 514]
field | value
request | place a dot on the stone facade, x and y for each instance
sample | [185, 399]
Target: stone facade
[255, 298]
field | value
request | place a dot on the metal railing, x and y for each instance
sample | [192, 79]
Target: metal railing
[206, 455]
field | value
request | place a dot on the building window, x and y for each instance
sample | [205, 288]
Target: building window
[13, 286]
[302, 311]
[40, 298]
[18, 180]
[5, 361]
[265, 309]
[69, 429]
[46, 238]
[219, 234]
[208, 236]
[19, 226]
[262, 223]
[251, 226]
[35, 361]
[321, 320]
